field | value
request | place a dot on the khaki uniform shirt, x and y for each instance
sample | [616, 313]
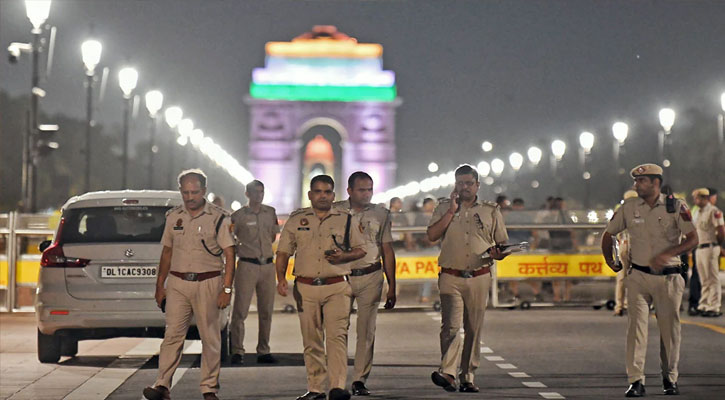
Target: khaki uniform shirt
[707, 220]
[471, 232]
[255, 232]
[652, 230]
[374, 224]
[308, 237]
[184, 235]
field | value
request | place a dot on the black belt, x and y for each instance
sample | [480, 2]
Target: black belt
[702, 246]
[464, 273]
[195, 276]
[256, 261]
[665, 270]
[367, 270]
[321, 281]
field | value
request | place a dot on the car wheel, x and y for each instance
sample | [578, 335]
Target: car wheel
[48, 348]
[68, 346]
[225, 343]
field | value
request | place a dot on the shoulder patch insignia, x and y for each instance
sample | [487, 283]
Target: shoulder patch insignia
[718, 214]
[685, 213]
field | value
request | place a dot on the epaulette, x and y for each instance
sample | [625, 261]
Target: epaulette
[219, 209]
[268, 208]
[173, 209]
[341, 204]
[298, 211]
[491, 203]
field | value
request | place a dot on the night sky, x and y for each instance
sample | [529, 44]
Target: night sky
[513, 72]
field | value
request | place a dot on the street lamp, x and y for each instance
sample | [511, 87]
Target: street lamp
[497, 166]
[486, 146]
[558, 148]
[534, 154]
[196, 137]
[91, 54]
[721, 122]
[186, 126]
[586, 141]
[127, 80]
[484, 168]
[173, 116]
[516, 160]
[154, 102]
[432, 167]
[620, 130]
[667, 119]
[37, 12]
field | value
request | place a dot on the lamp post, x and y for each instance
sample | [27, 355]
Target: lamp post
[186, 126]
[154, 102]
[173, 116]
[91, 54]
[534, 155]
[620, 130]
[196, 137]
[720, 137]
[497, 166]
[37, 12]
[586, 141]
[558, 149]
[127, 80]
[667, 119]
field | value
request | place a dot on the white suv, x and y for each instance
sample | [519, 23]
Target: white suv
[98, 275]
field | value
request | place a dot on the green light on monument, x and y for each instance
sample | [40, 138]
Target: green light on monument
[322, 93]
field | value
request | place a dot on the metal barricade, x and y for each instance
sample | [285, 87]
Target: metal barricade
[20, 235]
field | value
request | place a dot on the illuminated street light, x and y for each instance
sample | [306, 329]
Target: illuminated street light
[620, 131]
[516, 160]
[534, 153]
[432, 167]
[127, 80]
[186, 126]
[173, 116]
[91, 55]
[486, 146]
[483, 168]
[667, 119]
[586, 140]
[558, 148]
[154, 102]
[37, 12]
[196, 136]
[497, 166]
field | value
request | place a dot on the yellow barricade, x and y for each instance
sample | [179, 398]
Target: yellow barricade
[26, 274]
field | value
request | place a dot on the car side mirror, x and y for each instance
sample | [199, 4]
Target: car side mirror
[44, 245]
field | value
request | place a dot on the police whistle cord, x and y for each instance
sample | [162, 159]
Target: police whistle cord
[218, 225]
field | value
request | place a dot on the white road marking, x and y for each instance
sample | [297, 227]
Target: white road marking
[519, 374]
[486, 350]
[192, 347]
[534, 384]
[494, 358]
[506, 366]
[551, 395]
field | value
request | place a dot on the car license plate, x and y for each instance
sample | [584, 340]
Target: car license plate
[128, 272]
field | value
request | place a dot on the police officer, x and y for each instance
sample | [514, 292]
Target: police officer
[710, 231]
[620, 302]
[256, 227]
[468, 228]
[366, 278]
[196, 234]
[324, 241]
[655, 223]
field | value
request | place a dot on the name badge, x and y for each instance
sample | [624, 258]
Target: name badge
[302, 228]
[252, 223]
[178, 228]
[638, 220]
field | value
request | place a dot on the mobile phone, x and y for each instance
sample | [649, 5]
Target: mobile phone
[329, 252]
[163, 305]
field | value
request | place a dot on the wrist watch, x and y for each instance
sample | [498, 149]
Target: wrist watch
[227, 290]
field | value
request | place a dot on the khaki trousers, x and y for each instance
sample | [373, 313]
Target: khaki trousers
[324, 321]
[248, 279]
[366, 291]
[708, 266]
[463, 305]
[665, 291]
[620, 300]
[184, 300]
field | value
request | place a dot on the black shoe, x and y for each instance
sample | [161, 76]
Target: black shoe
[266, 359]
[618, 313]
[468, 387]
[636, 389]
[359, 389]
[339, 394]
[671, 388]
[312, 396]
[445, 381]
[237, 359]
[710, 314]
[156, 393]
[693, 311]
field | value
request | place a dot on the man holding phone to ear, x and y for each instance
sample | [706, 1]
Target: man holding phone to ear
[366, 277]
[469, 229]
